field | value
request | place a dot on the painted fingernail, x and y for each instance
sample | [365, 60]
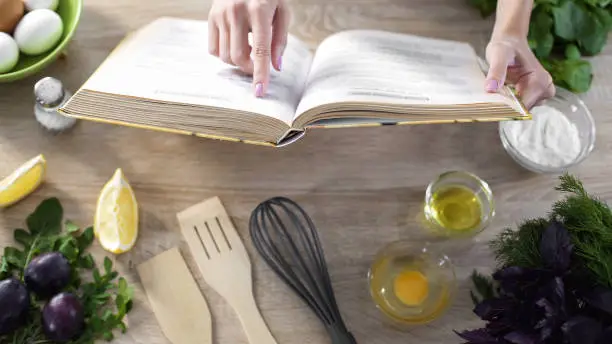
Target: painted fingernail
[279, 63]
[259, 89]
[492, 85]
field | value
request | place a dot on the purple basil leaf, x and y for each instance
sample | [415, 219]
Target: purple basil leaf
[549, 308]
[582, 330]
[491, 309]
[498, 328]
[555, 247]
[557, 294]
[479, 336]
[606, 336]
[518, 337]
[516, 280]
[546, 331]
[600, 298]
[517, 273]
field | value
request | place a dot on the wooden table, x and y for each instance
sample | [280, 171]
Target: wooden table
[363, 187]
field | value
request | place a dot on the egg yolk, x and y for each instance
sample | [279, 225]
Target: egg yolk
[411, 287]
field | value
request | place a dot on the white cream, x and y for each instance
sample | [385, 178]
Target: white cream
[550, 139]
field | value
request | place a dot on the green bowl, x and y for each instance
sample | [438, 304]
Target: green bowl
[70, 12]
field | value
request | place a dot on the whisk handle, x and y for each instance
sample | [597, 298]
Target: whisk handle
[341, 336]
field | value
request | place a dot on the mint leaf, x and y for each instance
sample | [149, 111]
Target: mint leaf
[46, 218]
[578, 75]
[71, 227]
[572, 52]
[604, 16]
[540, 37]
[68, 248]
[108, 265]
[14, 257]
[598, 3]
[570, 19]
[575, 75]
[594, 35]
[87, 262]
[23, 237]
[85, 239]
[4, 268]
[96, 276]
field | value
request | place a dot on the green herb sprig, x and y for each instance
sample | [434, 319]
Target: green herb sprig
[561, 32]
[106, 299]
[588, 221]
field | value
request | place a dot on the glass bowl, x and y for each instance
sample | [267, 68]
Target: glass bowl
[70, 12]
[458, 204]
[576, 112]
[411, 285]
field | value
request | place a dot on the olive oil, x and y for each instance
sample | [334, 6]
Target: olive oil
[456, 208]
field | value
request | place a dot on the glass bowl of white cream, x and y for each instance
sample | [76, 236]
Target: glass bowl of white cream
[560, 135]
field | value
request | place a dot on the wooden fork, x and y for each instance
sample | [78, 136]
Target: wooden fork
[224, 263]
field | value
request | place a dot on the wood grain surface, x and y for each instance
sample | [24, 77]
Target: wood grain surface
[363, 187]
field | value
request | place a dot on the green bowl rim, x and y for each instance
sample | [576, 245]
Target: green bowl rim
[52, 55]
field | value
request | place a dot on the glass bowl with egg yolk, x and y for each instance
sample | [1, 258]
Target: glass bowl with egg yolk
[411, 285]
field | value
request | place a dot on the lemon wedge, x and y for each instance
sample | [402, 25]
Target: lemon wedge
[116, 219]
[23, 181]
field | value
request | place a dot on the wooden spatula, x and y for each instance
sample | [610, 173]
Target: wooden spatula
[176, 300]
[224, 263]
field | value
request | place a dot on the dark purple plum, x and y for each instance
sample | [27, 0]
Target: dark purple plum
[14, 305]
[47, 274]
[62, 318]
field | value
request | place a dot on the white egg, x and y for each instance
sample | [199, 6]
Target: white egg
[38, 31]
[32, 5]
[9, 53]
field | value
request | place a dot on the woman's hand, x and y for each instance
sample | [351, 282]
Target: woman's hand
[510, 60]
[230, 22]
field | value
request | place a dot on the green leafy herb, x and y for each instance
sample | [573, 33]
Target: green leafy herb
[589, 223]
[561, 32]
[106, 299]
[485, 287]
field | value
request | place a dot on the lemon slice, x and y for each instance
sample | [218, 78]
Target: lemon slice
[116, 219]
[23, 181]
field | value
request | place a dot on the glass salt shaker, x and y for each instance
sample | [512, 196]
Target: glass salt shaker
[50, 96]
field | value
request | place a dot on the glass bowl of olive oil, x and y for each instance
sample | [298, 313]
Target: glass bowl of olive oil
[411, 285]
[458, 203]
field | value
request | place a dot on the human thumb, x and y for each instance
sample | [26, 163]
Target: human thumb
[499, 57]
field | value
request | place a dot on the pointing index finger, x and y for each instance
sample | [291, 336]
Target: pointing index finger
[261, 21]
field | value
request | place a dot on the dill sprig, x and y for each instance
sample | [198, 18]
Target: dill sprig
[588, 221]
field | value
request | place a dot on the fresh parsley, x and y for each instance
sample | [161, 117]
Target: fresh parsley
[106, 297]
[561, 32]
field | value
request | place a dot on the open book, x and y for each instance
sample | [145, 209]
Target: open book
[162, 77]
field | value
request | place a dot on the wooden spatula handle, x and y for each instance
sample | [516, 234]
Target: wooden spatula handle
[254, 325]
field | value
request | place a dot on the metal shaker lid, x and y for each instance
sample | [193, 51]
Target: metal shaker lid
[49, 92]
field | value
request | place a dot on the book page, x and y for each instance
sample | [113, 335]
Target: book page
[168, 60]
[391, 68]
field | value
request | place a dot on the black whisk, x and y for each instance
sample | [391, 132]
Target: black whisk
[287, 239]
